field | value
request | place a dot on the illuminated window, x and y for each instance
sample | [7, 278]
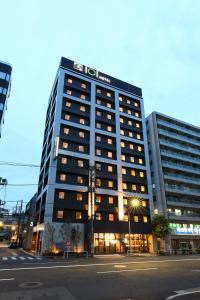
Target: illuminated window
[98, 91]
[60, 214]
[82, 108]
[139, 136]
[141, 174]
[135, 104]
[145, 219]
[98, 216]
[130, 134]
[109, 117]
[139, 148]
[132, 172]
[121, 120]
[137, 125]
[124, 186]
[98, 138]
[137, 114]
[121, 109]
[110, 183]
[122, 144]
[109, 105]
[125, 201]
[133, 187]
[142, 188]
[135, 219]
[126, 218]
[128, 101]
[123, 171]
[120, 98]
[82, 121]
[80, 163]
[83, 85]
[131, 146]
[69, 80]
[98, 151]
[123, 157]
[81, 148]
[69, 92]
[130, 123]
[79, 197]
[99, 101]
[108, 94]
[80, 179]
[78, 215]
[98, 198]
[129, 112]
[140, 161]
[98, 167]
[110, 154]
[62, 177]
[61, 195]
[64, 160]
[67, 117]
[98, 125]
[121, 131]
[68, 104]
[109, 128]
[110, 200]
[65, 145]
[98, 113]
[111, 217]
[98, 182]
[144, 204]
[66, 130]
[83, 97]
[110, 168]
[110, 141]
[132, 159]
[82, 134]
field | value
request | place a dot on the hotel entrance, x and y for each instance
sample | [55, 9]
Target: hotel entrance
[110, 243]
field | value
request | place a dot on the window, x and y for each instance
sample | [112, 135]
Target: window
[135, 104]
[133, 187]
[62, 177]
[68, 104]
[69, 80]
[125, 201]
[124, 186]
[83, 97]
[122, 144]
[60, 214]
[64, 160]
[132, 172]
[99, 101]
[110, 155]
[98, 138]
[79, 197]
[145, 219]
[82, 134]
[121, 131]
[110, 184]
[98, 182]
[98, 216]
[110, 141]
[121, 120]
[110, 168]
[78, 215]
[109, 128]
[137, 125]
[82, 121]
[81, 148]
[83, 85]
[82, 108]
[80, 179]
[65, 145]
[129, 112]
[98, 151]
[67, 117]
[66, 130]
[98, 125]
[108, 94]
[69, 92]
[123, 157]
[123, 171]
[131, 146]
[111, 217]
[80, 163]
[126, 218]
[108, 105]
[139, 136]
[120, 98]
[137, 114]
[132, 159]
[142, 188]
[140, 161]
[130, 123]
[130, 134]
[139, 148]
[98, 113]
[128, 101]
[144, 204]
[61, 195]
[110, 200]
[98, 167]
[141, 174]
[98, 91]
[109, 117]
[121, 109]
[98, 198]
[135, 219]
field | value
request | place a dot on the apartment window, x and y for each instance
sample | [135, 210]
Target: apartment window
[130, 134]
[82, 108]
[67, 117]
[142, 188]
[68, 104]
[98, 91]
[98, 216]
[145, 219]
[130, 123]
[121, 131]
[144, 203]
[137, 125]
[125, 201]
[82, 121]
[132, 159]
[108, 105]
[98, 138]
[80, 163]
[133, 187]
[98, 113]
[60, 214]
[109, 128]
[98, 125]
[131, 146]
[66, 130]
[98, 101]
[120, 98]
[129, 112]
[132, 172]
[121, 109]
[121, 120]
[135, 104]
[123, 171]
[139, 136]
[135, 219]
[111, 217]
[126, 218]
[141, 174]
[83, 97]
[62, 177]
[61, 195]
[122, 144]
[109, 117]
[69, 92]
[108, 94]
[139, 148]
[79, 197]
[110, 168]
[81, 148]
[69, 80]
[82, 134]
[124, 186]
[83, 85]
[123, 157]
[78, 215]
[98, 151]
[110, 200]
[137, 114]
[98, 167]
[128, 101]
[65, 145]
[98, 182]
[64, 160]
[80, 179]
[110, 184]
[110, 155]
[140, 161]
[98, 198]
[110, 141]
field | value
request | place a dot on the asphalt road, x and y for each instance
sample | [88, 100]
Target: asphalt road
[107, 278]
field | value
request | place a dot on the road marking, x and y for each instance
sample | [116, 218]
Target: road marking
[184, 292]
[38, 258]
[22, 258]
[120, 266]
[120, 271]
[7, 279]
[30, 258]
[100, 264]
[13, 258]
[4, 258]
[14, 253]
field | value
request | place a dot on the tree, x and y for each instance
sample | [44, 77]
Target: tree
[65, 232]
[160, 228]
[75, 236]
[50, 235]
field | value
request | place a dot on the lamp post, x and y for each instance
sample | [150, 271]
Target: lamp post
[133, 204]
[91, 190]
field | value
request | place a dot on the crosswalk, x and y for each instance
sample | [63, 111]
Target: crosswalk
[19, 258]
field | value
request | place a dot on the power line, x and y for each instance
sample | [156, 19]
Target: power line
[18, 164]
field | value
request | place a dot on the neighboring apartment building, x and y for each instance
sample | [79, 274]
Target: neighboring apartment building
[96, 122]
[174, 149]
[5, 83]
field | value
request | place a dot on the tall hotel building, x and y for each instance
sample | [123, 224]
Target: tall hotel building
[94, 161]
[174, 150]
[5, 82]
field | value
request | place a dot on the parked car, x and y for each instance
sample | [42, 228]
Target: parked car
[13, 245]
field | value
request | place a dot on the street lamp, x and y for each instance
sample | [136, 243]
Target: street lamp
[132, 204]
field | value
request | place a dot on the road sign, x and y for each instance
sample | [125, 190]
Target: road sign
[68, 243]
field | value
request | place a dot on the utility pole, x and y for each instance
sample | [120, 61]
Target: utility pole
[19, 220]
[91, 190]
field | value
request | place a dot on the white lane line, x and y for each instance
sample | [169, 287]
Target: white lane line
[7, 279]
[22, 258]
[120, 271]
[30, 258]
[182, 294]
[38, 258]
[13, 257]
[4, 258]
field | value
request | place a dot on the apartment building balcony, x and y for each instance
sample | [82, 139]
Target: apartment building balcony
[180, 203]
[184, 217]
[181, 167]
[180, 156]
[182, 190]
[182, 178]
[178, 146]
